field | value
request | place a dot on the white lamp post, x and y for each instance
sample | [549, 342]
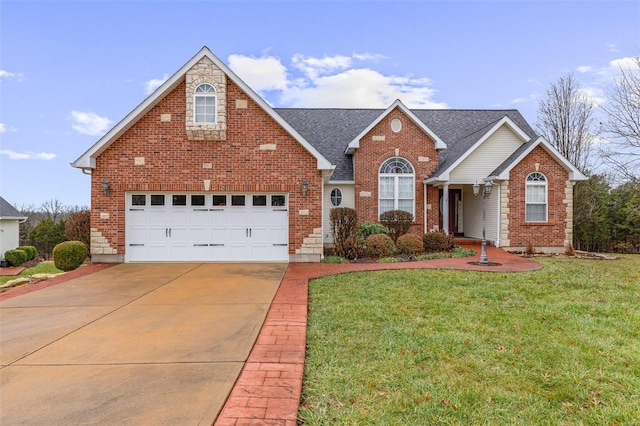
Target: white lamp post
[485, 194]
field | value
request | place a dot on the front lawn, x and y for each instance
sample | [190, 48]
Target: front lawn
[40, 268]
[556, 346]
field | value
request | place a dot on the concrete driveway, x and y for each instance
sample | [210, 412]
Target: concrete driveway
[132, 344]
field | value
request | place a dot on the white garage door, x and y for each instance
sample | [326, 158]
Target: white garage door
[175, 227]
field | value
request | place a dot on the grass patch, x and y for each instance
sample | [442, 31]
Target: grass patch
[40, 268]
[334, 259]
[555, 346]
[456, 252]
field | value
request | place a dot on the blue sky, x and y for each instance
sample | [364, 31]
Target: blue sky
[69, 70]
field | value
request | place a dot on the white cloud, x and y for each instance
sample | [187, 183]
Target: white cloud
[17, 76]
[333, 81]
[613, 48]
[27, 155]
[89, 123]
[264, 73]
[151, 85]
[531, 97]
[596, 94]
[3, 128]
[583, 69]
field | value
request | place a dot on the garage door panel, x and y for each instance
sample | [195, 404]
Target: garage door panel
[206, 227]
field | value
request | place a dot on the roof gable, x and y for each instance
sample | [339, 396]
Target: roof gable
[87, 160]
[7, 211]
[502, 171]
[355, 143]
[470, 143]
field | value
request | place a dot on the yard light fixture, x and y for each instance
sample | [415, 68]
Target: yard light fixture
[485, 194]
[106, 187]
[304, 187]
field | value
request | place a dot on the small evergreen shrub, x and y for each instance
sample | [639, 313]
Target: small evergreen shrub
[370, 228]
[379, 245]
[437, 241]
[343, 225]
[410, 244]
[69, 255]
[15, 257]
[397, 221]
[31, 251]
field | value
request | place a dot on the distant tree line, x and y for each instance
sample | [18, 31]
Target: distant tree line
[52, 223]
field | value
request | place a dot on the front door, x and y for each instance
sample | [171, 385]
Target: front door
[455, 212]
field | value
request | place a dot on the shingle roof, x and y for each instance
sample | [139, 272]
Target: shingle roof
[7, 211]
[331, 130]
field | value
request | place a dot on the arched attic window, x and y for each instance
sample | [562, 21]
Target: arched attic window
[536, 190]
[204, 102]
[396, 186]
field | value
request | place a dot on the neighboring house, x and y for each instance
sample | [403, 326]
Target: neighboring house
[10, 220]
[205, 170]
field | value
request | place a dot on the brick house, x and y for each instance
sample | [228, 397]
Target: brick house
[205, 170]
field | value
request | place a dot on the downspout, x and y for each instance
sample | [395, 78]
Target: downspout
[424, 208]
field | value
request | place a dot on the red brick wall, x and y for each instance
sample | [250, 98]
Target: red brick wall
[551, 233]
[412, 143]
[173, 163]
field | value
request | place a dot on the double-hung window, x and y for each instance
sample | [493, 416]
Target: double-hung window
[536, 198]
[205, 104]
[396, 189]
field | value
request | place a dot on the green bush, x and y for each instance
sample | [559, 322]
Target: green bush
[46, 235]
[370, 228]
[379, 245]
[16, 257]
[410, 244]
[343, 225]
[31, 251]
[69, 255]
[437, 241]
[334, 259]
[397, 221]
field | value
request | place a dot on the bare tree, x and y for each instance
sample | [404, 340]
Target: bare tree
[54, 209]
[565, 118]
[622, 125]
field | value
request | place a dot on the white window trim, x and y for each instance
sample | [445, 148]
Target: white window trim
[340, 197]
[396, 183]
[544, 184]
[207, 95]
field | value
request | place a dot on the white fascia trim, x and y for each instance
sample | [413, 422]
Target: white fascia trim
[574, 173]
[87, 160]
[504, 120]
[355, 143]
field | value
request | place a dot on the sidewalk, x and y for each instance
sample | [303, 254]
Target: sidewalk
[270, 384]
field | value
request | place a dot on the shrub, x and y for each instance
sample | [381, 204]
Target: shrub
[379, 245]
[529, 250]
[69, 255]
[343, 225]
[410, 244]
[437, 241]
[397, 221]
[46, 235]
[31, 251]
[569, 250]
[15, 257]
[77, 227]
[334, 259]
[370, 228]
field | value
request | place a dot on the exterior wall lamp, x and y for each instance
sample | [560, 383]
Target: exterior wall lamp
[304, 187]
[106, 187]
[486, 192]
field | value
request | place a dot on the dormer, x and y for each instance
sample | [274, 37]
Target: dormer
[206, 95]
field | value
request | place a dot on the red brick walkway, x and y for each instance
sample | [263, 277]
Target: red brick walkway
[269, 387]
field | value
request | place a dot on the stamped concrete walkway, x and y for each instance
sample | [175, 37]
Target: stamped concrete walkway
[270, 384]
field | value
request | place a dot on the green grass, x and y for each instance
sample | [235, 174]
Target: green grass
[40, 268]
[559, 346]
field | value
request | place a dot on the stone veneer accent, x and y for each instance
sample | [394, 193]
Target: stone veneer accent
[568, 201]
[205, 71]
[311, 249]
[99, 244]
[504, 214]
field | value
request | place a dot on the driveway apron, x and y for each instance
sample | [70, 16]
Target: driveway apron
[132, 344]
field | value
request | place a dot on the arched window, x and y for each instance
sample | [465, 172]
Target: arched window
[536, 198]
[336, 197]
[204, 102]
[396, 186]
